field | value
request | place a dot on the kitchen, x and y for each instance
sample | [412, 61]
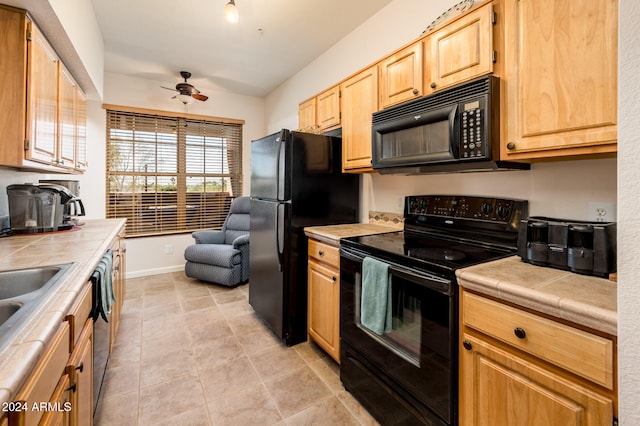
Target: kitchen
[559, 189]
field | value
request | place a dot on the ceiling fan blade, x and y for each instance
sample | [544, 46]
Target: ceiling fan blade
[169, 88]
[200, 97]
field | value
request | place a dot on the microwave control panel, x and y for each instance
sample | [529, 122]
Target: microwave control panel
[473, 137]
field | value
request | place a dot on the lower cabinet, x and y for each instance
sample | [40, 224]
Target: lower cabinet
[324, 297]
[80, 370]
[43, 385]
[503, 380]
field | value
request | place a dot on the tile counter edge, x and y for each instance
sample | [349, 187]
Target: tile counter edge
[20, 357]
[583, 300]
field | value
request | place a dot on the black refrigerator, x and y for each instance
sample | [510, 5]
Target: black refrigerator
[296, 181]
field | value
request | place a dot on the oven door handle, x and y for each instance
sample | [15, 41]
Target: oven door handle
[438, 284]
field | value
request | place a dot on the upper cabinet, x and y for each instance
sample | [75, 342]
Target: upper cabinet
[328, 109]
[320, 113]
[307, 115]
[461, 50]
[401, 76]
[560, 77]
[359, 102]
[43, 125]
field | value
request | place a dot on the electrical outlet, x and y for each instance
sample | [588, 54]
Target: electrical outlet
[168, 249]
[601, 212]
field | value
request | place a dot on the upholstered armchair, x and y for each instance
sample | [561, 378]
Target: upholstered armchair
[222, 256]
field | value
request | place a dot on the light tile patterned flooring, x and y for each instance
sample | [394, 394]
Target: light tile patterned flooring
[191, 353]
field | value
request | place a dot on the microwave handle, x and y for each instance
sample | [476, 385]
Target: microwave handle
[454, 140]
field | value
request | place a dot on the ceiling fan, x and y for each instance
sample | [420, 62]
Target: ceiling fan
[186, 91]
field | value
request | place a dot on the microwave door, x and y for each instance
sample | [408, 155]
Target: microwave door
[416, 139]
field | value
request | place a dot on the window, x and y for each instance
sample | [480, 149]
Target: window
[171, 174]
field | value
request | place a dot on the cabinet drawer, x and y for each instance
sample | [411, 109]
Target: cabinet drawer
[79, 314]
[324, 253]
[580, 352]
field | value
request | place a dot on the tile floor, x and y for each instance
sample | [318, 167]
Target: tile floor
[189, 353]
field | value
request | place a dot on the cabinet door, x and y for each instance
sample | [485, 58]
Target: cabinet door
[401, 76]
[42, 91]
[81, 131]
[324, 307]
[67, 130]
[80, 369]
[498, 388]
[461, 50]
[561, 78]
[58, 412]
[359, 102]
[328, 108]
[307, 115]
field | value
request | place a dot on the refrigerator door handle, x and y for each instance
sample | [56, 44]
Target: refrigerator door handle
[280, 233]
[281, 164]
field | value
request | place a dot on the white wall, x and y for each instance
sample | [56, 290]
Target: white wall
[628, 217]
[147, 256]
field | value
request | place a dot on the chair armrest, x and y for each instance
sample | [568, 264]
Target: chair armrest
[208, 237]
[241, 240]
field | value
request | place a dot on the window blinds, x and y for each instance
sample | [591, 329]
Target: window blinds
[169, 174]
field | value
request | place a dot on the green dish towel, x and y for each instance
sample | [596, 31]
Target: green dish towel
[375, 301]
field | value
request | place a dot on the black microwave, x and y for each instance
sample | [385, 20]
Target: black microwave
[455, 129]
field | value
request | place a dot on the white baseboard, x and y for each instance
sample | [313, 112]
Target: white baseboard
[154, 271]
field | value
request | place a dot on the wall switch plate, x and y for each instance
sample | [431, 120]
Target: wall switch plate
[168, 249]
[601, 212]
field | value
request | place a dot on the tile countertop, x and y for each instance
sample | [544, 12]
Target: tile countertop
[583, 300]
[85, 247]
[331, 234]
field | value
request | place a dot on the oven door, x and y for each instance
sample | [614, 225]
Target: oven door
[416, 358]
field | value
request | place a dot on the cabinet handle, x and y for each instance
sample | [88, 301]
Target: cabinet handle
[72, 388]
[320, 253]
[511, 145]
[80, 368]
[416, 91]
[434, 85]
[467, 345]
[520, 333]
[334, 278]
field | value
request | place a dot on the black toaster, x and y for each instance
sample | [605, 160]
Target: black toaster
[583, 247]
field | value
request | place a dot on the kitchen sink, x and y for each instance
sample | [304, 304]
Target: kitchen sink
[22, 293]
[7, 310]
[22, 281]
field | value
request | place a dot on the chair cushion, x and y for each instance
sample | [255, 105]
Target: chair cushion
[213, 254]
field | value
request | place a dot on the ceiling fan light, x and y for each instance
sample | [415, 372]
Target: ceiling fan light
[231, 12]
[185, 99]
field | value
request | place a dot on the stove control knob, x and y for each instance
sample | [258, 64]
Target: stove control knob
[503, 211]
[486, 209]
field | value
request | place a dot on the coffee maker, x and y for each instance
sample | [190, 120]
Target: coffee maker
[583, 247]
[74, 208]
[35, 208]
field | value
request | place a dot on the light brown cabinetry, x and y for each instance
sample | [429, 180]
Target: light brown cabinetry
[461, 50]
[43, 381]
[80, 370]
[320, 113]
[324, 297]
[535, 369]
[118, 249]
[41, 122]
[328, 109]
[359, 102]
[561, 78]
[401, 76]
[307, 115]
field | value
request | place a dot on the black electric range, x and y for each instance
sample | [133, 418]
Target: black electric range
[407, 374]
